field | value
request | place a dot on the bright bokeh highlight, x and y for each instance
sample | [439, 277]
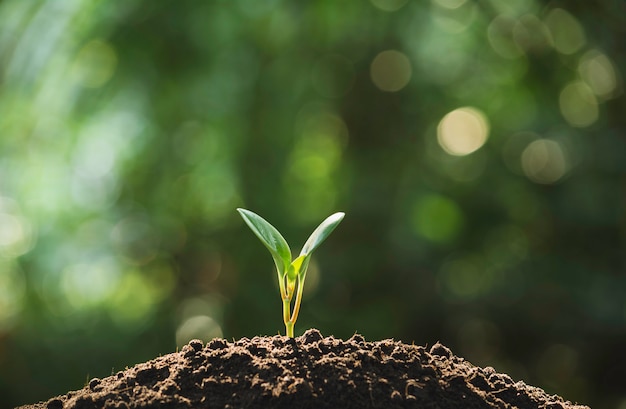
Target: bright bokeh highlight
[463, 131]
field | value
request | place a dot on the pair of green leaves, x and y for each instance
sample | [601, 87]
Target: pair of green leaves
[278, 247]
[291, 274]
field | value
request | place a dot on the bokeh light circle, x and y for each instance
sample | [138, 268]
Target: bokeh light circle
[544, 161]
[578, 104]
[391, 71]
[463, 131]
[437, 218]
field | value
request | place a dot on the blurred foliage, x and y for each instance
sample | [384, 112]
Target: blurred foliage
[476, 146]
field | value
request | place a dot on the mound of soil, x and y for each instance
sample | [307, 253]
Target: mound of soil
[306, 372]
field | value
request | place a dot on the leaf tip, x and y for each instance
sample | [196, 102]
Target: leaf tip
[336, 217]
[245, 213]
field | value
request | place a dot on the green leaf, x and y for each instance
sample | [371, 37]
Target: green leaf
[295, 267]
[271, 238]
[323, 230]
[304, 266]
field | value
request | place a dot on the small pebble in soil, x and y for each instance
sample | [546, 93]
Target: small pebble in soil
[94, 383]
[196, 344]
[55, 404]
[489, 370]
[311, 336]
[440, 350]
[357, 338]
[217, 343]
[244, 341]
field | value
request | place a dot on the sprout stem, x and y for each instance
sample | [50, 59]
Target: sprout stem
[296, 306]
[289, 328]
[286, 310]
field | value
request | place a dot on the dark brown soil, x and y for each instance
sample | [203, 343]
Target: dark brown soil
[306, 372]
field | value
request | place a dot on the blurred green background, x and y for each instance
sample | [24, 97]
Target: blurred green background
[478, 149]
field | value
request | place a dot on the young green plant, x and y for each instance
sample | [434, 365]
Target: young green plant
[291, 273]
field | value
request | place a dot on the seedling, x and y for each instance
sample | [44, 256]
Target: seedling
[291, 274]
